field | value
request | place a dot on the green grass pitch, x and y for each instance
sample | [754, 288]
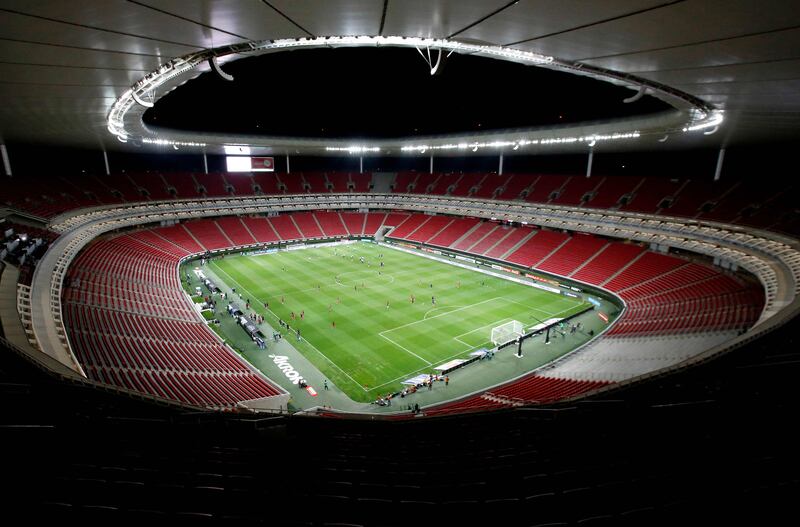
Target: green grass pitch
[372, 347]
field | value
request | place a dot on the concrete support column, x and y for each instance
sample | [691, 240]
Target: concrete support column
[720, 159]
[6, 160]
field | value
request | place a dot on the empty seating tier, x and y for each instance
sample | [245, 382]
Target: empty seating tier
[130, 326]
[747, 202]
[309, 228]
[572, 255]
[538, 247]
[331, 223]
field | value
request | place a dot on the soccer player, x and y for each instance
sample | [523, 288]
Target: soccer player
[333, 324]
[433, 300]
[303, 315]
[387, 304]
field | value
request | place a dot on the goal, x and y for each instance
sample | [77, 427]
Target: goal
[507, 332]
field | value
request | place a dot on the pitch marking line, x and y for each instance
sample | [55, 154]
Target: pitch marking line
[405, 349]
[425, 317]
[411, 373]
[501, 321]
[337, 277]
[304, 340]
[442, 315]
[469, 347]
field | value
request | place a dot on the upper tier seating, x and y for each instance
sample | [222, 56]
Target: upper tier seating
[242, 183]
[317, 183]
[467, 183]
[213, 184]
[267, 183]
[295, 184]
[184, 184]
[339, 182]
[748, 203]
[575, 190]
[517, 183]
[544, 187]
[360, 182]
[403, 180]
[612, 190]
[427, 184]
[490, 185]
[649, 197]
[154, 184]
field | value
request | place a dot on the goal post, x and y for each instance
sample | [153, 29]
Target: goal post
[507, 332]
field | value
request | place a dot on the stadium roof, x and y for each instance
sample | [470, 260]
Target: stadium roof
[64, 64]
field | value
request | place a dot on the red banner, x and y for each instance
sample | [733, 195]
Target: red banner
[262, 164]
[603, 316]
[540, 279]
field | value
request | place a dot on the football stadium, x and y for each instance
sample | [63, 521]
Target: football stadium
[467, 262]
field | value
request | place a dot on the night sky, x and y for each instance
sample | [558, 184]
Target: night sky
[386, 92]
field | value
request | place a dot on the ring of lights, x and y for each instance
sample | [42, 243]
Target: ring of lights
[690, 113]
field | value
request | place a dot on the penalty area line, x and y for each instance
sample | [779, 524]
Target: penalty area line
[404, 348]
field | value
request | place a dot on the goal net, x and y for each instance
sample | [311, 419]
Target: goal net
[506, 332]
